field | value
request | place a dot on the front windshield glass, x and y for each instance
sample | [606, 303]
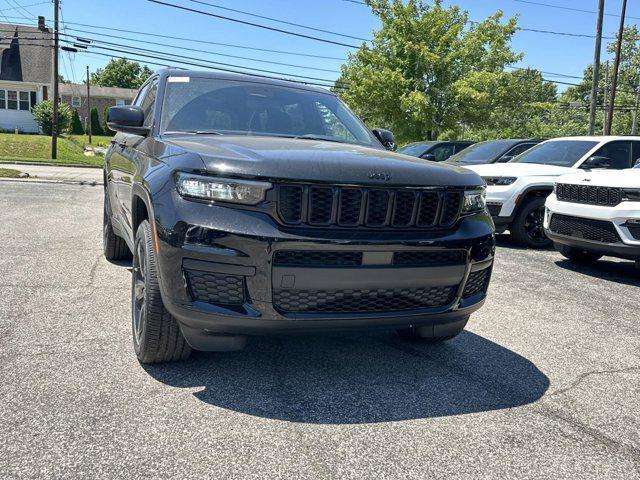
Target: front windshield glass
[483, 152]
[563, 153]
[416, 149]
[200, 104]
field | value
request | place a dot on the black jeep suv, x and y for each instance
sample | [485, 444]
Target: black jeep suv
[257, 206]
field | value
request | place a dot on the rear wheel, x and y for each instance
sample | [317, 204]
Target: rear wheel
[156, 334]
[577, 255]
[433, 333]
[115, 248]
[528, 227]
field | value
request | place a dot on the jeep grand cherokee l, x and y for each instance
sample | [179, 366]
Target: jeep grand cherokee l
[257, 206]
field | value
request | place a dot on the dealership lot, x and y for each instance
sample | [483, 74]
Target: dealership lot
[545, 382]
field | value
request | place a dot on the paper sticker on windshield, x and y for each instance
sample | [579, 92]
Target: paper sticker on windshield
[178, 79]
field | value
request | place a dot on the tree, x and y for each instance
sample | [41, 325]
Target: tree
[408, 79]
[96, 128]
[76, 124]
[121, 73]
[105, 127]
[43, 116]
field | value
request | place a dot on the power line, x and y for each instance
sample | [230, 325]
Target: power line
[573, 9]
[277, 20]
[244, 22]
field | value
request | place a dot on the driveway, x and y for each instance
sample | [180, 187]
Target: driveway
[544, 384]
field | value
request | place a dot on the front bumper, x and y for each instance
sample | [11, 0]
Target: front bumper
[220, 243]
[622, 217]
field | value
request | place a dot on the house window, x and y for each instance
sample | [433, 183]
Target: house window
[12, 100]
[76, 102]
[24, 100]
[34, 99]
[3, 99]
[119, 102]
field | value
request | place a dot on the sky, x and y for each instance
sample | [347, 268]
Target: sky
[549, 53]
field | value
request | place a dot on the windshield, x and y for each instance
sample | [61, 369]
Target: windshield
[416, 149]
[563, 153]
[200, 104]
[483, 152]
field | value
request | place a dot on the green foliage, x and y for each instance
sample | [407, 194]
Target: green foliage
[121, 73]
[43, 116]
[96, 128]
[76, 124]
[105, 127]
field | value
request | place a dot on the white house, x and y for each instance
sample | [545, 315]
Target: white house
[25, 73]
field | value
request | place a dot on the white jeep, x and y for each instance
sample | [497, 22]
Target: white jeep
[595, 213]
[517, 190]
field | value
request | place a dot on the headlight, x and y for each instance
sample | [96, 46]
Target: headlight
[499, 180]
[474, 201]
[221, 189]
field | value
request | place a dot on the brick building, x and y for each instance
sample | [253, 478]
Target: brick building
[75, 95]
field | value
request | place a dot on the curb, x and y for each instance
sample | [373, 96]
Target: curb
[48, 164]
[43, 180]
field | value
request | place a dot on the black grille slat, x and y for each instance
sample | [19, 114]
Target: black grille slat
[476, 283]
[216, 288]
[377, 208]
[357, 207]
[403, 208]
[317, 258]
[589, 194]
[350, 206]
[320, 205]
[420, 258]
[357, 301]
[634, 230]
[587, 228]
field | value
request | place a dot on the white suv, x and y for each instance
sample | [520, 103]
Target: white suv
[591, 214]
[517, 190]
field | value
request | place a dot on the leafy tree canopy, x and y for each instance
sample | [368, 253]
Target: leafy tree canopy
[121, 73]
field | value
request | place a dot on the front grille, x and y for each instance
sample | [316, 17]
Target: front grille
[215, 288]
[352, 207]
[358, 301]
[476, 283]
[423, 258]
[589, 229]
[589, 194]
[318, 259]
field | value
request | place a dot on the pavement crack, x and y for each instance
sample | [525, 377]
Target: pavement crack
[582, 377]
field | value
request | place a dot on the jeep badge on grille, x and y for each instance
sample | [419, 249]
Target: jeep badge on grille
[375, 175]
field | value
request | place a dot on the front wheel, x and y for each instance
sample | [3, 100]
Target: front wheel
[528, 227]
[114, 247]
[577, 255]
[156, 334]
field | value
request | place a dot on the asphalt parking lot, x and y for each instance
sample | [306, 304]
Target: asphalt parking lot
[545, 383]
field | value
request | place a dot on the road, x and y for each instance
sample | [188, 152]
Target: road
[544, 384]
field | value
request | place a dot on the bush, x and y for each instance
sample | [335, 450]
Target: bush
[96, 128]
[76, 124]
[43, 115]
[105, 127]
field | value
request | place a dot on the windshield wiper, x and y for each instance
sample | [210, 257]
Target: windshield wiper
[311, 136]
[195, 132]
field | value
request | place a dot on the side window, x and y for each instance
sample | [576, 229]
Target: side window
[518, 149]
[442, 152]
[618, 152]
[461, 146]
[138, 101]
[149, 102]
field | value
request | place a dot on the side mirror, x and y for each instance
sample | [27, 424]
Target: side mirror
[505, 159]
[386, 138]
[429, 156]
[596, 162]
[127, 119]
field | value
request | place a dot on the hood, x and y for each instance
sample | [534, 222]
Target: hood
[516, 169]
[315, 160]
[629, 178]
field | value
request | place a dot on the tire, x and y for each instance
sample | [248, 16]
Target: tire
[156, 334]
[577, 255]
[426, 334]
[115, 248]
[527, 228]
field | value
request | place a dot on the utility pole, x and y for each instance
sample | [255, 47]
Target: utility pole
[616, 65]
[604, 98]
[54, 120]
[88, 106]
[596, 69]
[634, 125]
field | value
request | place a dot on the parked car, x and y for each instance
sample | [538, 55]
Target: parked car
[436, 151]
[517, 190]
[492, 151]
[256, 206]
[595, 213]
